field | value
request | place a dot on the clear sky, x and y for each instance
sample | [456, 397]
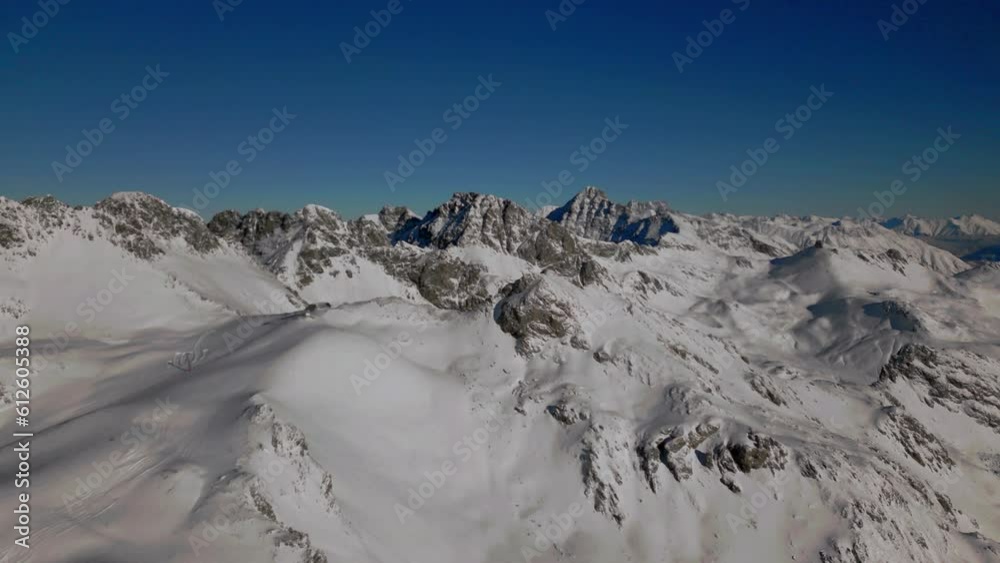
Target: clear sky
[607, 59]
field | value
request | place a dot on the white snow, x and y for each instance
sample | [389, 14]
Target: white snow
[384, 430]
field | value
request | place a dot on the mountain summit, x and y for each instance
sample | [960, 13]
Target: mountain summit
[591, 214]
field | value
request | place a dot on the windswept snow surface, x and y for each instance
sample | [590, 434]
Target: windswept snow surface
[485, 384]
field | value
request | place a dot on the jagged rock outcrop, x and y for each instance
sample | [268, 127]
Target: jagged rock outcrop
[900, 316]
[262, 233]
[395, 218]
[567, 413]
[35, 219]
[51, 213]
[451, 284]
[916, 441]
[757, 452]
[140, 223]
[960, 381]
[766, 387]
[533, 311]
[601, 456]
[554, 248]
[648, 285]
[306, 241]
[676, 449]
[470, 219]
[592, 215]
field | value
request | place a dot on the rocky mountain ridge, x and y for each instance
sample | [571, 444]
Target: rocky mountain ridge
[717, 374]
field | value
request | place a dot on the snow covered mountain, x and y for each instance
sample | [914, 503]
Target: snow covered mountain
[592, 215]
[973, 237]
[603, 382]
[964, 226]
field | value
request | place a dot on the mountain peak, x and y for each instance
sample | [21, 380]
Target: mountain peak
[133, 197]
[591, 214]
[314, 209]
[591, 192]
[470, 218]
[395, 217]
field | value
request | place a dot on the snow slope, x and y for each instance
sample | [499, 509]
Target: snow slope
[490, 385]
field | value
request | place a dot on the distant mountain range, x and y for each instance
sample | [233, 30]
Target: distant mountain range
[963, 226]
[973, 237]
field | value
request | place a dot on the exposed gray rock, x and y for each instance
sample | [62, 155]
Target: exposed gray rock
[9, 236]
[451, 284]
[395, 218]
[766, 388]
[531, 311]
[896, 259]
[677, 451]
[470, 219]
[567, 414]
[900, 316]
[648, 285]
[262, 233]
[321, 233]
[554, 248]
[592, 215]
[601, 475]
[958, 381]
[762, 452]
[917, 442]
[140, 223]
[51, 212]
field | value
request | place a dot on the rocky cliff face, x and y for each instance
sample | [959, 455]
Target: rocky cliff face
[140, 222]
[592, 215]
[143, 225]
[469, 219]
[533, 310]
[262, 233]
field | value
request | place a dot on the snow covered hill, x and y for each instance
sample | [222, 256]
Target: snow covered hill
[602, 382]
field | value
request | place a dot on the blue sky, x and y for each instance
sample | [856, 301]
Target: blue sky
[556, 88]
